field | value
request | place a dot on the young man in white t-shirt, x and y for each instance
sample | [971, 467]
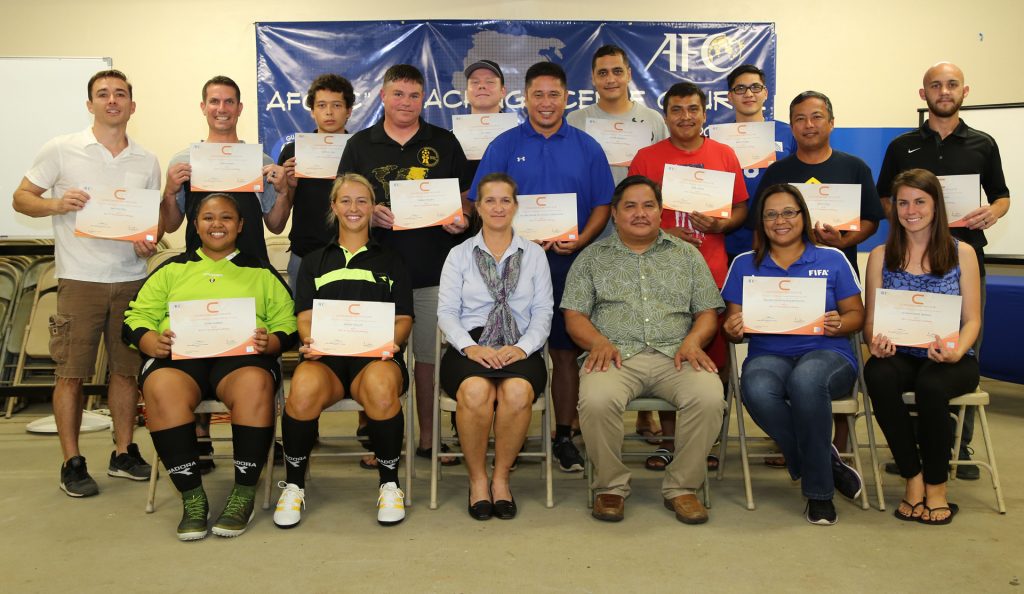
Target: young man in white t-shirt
[96, 277]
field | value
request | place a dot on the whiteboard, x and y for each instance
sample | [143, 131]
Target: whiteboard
[46, 98]
[1005, 123]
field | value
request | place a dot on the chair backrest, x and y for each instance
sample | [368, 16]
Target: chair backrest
[162, 256]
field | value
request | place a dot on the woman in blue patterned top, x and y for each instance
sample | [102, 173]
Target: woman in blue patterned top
[921, 255]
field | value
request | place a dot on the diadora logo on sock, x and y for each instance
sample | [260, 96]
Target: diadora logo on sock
[182, 469]
[389, 464]
[242, 466]
[295, 460]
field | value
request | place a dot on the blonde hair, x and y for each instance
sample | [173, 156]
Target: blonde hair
[332, 218]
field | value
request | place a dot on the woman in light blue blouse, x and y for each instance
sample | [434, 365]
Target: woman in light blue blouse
[494, 308]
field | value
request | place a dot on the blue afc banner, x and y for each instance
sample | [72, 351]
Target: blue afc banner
[290, 55]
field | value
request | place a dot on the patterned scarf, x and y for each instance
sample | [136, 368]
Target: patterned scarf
[500, 329]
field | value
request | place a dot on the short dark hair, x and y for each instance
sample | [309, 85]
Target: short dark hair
[685, 89]
[498, 177]
[107, 74]
[741, 70]
[404, 72]
[808, 95]
[545, 69]
[635, 180]
[334, 84]
[222, 80]
[761, 247]
[219, 196]
[609, 50]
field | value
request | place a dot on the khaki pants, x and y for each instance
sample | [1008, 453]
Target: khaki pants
[697, 396]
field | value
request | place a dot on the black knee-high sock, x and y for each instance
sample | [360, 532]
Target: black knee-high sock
[251, 446]
[386, 437]
[299, 438]
[179, 450]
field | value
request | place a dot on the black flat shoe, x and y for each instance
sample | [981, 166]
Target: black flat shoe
[505, 509]
[481, 510]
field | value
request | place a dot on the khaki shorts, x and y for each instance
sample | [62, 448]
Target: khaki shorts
[86, 311]
[424, 326]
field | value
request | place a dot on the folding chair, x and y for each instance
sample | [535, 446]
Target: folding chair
[447, 403]
[980, 399]
[637, 405]
[347, 404]
[848, 407]
[162, 256]
[277, 251]
[218, 407]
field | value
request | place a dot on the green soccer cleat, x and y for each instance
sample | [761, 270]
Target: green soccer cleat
[238, 512]
[194, 518]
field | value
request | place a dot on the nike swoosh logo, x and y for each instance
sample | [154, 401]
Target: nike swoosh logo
[913, 150]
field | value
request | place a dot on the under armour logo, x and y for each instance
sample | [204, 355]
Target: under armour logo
[520, 159]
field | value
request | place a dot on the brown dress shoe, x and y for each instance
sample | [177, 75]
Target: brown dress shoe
[609, 507]
[688, 509]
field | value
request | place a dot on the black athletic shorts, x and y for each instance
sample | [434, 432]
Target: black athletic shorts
[208, 373]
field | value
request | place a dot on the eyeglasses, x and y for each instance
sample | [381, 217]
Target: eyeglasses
[742, 89]
[788, 213]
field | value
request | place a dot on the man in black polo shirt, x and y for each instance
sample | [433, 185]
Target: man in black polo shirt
[402, 146]
[815, 162]
[329, 100]
[946, 145]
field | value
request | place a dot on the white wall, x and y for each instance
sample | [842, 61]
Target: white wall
[868, 56]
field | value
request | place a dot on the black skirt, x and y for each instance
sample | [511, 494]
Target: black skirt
[456, 367]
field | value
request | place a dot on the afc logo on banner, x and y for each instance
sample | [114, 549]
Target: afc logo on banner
[680, 47]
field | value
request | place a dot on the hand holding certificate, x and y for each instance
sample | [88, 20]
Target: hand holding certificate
[476, 131]
[836, 205]
[962, 194]
[317, 155]
[226, 167]
[124, 214]
[353, 328]
[547, 217]
[620, 139]
[915, 319]
[753, 142]
[213, 328]
[418, 203]
[780, 305]
[690, 189]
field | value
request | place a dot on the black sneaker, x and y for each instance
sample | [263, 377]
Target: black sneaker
[892, 468]
[968, 472]
[569, 458]
[130, 465]
[75, 479]
[845, 478]
[206, 449]
[821, 512]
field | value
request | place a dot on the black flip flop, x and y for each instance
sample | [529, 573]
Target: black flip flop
[661, 454]
[952, 508]
[913, 507]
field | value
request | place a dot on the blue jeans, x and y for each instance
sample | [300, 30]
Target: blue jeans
[790, 398]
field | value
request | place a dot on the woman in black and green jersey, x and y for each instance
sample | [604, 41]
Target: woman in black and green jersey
[245, 383]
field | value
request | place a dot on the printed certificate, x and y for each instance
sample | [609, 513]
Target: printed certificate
[782, 305]
[418, 203]
[962, 194]
[706, 191]
[353, 328]
[547, 217]
[753, 142]
[915, 318]
[213, 328]
[318, 155]
[837, 205]
[226, 167]
[126, 214]
[476, 131]
[620, 139]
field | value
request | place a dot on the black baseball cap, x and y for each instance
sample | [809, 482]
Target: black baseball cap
[486, 65]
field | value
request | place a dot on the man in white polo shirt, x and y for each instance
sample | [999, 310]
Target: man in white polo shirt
[96, 277]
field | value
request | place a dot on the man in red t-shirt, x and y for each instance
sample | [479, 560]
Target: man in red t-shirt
[685, 113]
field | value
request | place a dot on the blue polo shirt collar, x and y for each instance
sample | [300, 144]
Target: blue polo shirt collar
[809, 256]
[527, 129]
